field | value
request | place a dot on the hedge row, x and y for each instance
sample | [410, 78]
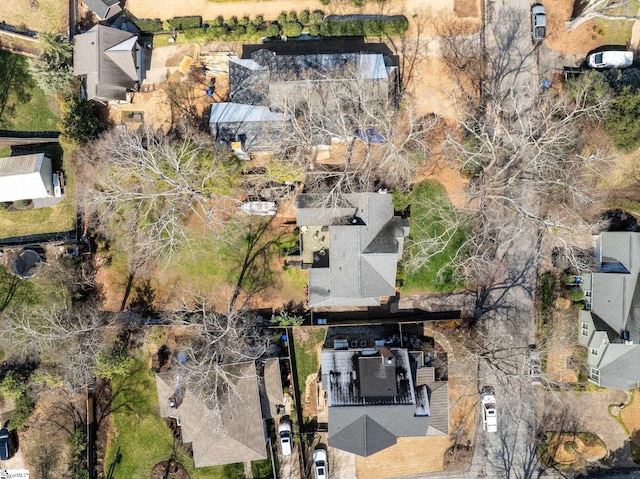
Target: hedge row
[148, 25]
[246, 29]
[364, 25]
[184, 23]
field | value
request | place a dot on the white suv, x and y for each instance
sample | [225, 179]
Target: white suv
[489, 414]
[284, 436]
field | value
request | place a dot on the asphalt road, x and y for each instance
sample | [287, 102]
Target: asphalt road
[515, 79]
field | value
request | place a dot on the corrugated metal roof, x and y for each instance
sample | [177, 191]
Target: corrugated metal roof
[21, 165]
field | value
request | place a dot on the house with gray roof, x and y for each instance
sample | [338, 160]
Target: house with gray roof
[271, 83]
[377, 392]
[609, 326]
[247, 128]
[235, 431]
[351, 249]
[104, 9]
[110, 63]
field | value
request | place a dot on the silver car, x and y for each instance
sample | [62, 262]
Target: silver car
[538, 22]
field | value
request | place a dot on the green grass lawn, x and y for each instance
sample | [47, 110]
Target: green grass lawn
[41, 16]
[305, 341]
[429, 205]
[616, 32]
[142, 436]
[23, 105]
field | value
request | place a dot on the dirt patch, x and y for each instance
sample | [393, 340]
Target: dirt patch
[166, 470]
[630, 417]
[411, 455]
[571, 449]
[45, 440]
[581, 40]
[561, 343]
[466, 8]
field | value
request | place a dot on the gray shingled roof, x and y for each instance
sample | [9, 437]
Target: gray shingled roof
[235, 434]
[256, 126]
[268, 77]
[615, 306]
[107, 58]
[20, 165]
[364, 436]
[363, 256]
[104, 9]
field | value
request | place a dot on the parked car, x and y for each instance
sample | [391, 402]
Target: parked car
[538, 22]
[610, 59]
[6, 444]
[285, 438]
[489, 413]
[260, 208]
[320, 466]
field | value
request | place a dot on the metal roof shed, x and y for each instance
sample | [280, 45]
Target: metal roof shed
[25, 177]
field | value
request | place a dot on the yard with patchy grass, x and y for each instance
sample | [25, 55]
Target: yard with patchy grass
[307, 342]
[39, 15]
[23, 105]
[429, 205]
[143, 438]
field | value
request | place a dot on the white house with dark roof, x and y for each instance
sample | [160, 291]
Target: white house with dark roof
[109, 61]
[376, 392]
[352, 250]
[609, 326]
[27, 177]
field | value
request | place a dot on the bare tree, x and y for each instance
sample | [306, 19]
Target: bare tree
[147, 183]
[71, 340]
[212, 364]
[461, 51]
[532, 174]
[604, 9]
[371, 141]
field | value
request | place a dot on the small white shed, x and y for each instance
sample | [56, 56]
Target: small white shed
[26, 177]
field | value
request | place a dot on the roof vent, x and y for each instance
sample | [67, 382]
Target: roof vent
[340, 344]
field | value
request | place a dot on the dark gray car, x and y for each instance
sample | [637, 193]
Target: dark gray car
[6, 444]
[538, 22]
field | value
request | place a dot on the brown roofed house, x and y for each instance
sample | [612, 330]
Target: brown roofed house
[236, 431]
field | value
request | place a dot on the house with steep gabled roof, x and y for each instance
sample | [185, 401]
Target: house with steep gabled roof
[104, 9]
[109, 61]
[609, 326]
[377, 391]
[351, 250]
[233, 432]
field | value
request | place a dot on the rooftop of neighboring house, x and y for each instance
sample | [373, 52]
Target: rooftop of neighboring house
[233, 432]
[267, 76]
[108, 60]
[104, 9]
[611, 327]
[372, 393]
[255, 127]
[352, 248]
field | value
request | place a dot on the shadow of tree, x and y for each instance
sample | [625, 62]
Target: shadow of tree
[15, 85]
